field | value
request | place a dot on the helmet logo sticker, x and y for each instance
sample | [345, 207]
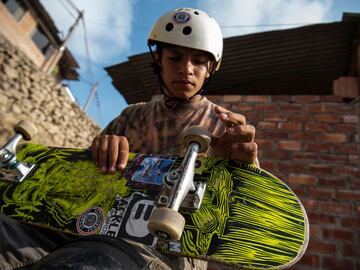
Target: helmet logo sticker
[182, 17]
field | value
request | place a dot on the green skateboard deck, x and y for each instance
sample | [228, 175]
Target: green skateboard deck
[248, 218]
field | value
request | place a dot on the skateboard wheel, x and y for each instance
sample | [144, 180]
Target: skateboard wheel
[200, 135]
[166, 223]
[26, 129]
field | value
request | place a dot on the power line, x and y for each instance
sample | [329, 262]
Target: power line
[67, 9]
[87, 51]
[73, 6]
[221, 26]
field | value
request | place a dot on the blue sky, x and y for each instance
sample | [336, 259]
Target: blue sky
[117, 29]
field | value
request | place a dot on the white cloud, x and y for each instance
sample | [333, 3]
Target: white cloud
[259, 12]
[108, 25]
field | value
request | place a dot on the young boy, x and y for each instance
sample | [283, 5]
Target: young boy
[188, 51]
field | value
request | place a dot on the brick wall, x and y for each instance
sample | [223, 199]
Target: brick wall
[19, 32]
[312, 143]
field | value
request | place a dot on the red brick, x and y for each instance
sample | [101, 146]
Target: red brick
[264, 144]
[305, 136]
[335, 263]
[350, 222]
[338, 234]
[322, 127]
[302, 179]
[334, 158]
[305, 156]
[337, 182]
[339, 208]
[299, 190]
[309, 260]
[241, 108]
[232, 98]
[334, 137]
[354, 159]
[320, 218]
[346, 128]
[321, 168]
[325, 193]
[261, 99]
[292, 167]
[347, 171]
[319, 147]
[280, 98]
[314, 231]
[214, 98]
[276, 155]
[268, 165]
[346, 148]
[276, 134]
[315, 108]
[290, 126]
[349, 250]
[266, 125]
[266, 108]
[351, 195]
[351, 119]
[305, 99]
[290, 145]
[300, 118]
[310, 204]
[291, 108]
[331, 98]
[328, 118]
[276, 117]
[342, 108]
[322, 247]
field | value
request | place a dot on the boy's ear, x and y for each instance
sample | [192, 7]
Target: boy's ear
[157, 58]
[211, 69]
[156, 64]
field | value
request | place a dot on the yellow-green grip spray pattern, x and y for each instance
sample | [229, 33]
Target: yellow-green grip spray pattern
[248, 217]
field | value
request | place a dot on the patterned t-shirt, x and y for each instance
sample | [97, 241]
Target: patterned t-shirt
[153, 128]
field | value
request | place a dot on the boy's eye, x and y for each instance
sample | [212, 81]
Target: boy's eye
[199, 61]
[174, 58]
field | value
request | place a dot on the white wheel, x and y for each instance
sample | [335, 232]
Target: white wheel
[200, 135]
[166, 223]
[26, 129]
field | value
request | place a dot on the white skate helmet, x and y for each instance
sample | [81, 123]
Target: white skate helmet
[191, 28]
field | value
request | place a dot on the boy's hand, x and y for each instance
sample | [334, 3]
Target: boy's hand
[237, 142]
[110, 152]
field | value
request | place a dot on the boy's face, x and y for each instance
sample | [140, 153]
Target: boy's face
[184, 70]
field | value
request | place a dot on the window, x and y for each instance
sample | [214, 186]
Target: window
[42, 42]
[16, 7]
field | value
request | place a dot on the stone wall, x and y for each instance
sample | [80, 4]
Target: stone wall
[27, 93]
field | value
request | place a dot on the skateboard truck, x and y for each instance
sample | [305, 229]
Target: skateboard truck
[179, 189]
[8, 160]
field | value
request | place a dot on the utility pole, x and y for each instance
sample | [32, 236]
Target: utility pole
[59, 51]
[92, 93]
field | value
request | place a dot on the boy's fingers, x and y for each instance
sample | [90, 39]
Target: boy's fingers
[123, 153]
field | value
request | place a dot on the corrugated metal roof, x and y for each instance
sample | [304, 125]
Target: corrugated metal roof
[302, 60]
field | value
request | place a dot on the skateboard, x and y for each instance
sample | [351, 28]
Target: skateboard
[195, 206]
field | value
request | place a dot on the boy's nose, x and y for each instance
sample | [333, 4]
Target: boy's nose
[186, 66]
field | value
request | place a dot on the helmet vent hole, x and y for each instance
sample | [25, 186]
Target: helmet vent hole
[169, 27]
[196, 13]
[187, 30]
